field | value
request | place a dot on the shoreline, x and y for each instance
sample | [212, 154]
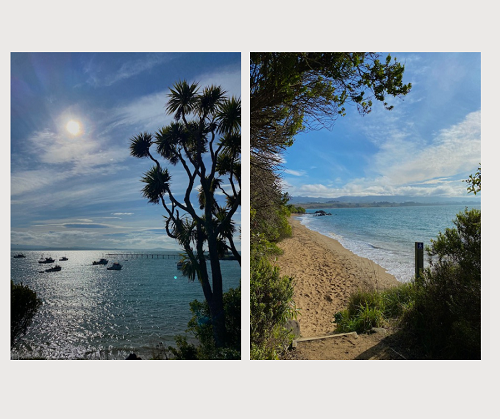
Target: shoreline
[325, 275]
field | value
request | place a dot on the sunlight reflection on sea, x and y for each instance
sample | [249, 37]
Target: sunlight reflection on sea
[90, 312]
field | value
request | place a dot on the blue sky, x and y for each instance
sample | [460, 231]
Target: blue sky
[85, 190]
[425, 146]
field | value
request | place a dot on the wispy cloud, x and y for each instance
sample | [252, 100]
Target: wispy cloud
[228, 78]
[403, 166]
[97, 76]
[294, 172]
[33, 180]
[452, 151]
[146, 113]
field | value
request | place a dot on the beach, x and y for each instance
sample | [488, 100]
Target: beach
[325, 274]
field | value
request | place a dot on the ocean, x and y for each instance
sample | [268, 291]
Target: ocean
[90, 312]
[385, 235]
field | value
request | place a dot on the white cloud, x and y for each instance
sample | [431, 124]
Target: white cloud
[97, 77]
[294, 172]
[82, 152]
[454, 150]
[89, 237]
[134, 67]
[228, 78]
[33, 180]
[404, 166]
[146, 113]
[378, 187]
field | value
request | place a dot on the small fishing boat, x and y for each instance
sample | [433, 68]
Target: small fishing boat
[101, 261]
[180, 264]
[46, 260]
[20, 255]
[55, 268]
[115, 267]
[63, 258]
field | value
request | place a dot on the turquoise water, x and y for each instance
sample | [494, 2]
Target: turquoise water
[385, 235]
[89, 312]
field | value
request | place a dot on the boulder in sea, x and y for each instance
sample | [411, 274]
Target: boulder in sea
[321, 213]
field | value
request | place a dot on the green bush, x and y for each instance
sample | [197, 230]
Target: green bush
[271, 306]
[438, 314]
[23, 306]
[295, 210]
[201, 326]
[446, 317]
[397, 300]
[361, 320]
[368, 309]
[271, 225]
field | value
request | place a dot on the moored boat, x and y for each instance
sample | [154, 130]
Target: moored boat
[55, 268]
[46, 260]
[115, 267]
[18, 256]
[101, 261]
[63, 258]
[179, 264]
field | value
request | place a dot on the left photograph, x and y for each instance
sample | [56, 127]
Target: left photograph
[125, 206]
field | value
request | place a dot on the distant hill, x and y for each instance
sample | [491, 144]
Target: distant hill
[18, 247]
[14, 247]
[377, 200]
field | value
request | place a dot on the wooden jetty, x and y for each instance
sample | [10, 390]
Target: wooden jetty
[143, 255]
[157, 256]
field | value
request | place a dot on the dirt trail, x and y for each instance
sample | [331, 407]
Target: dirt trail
[325, 275]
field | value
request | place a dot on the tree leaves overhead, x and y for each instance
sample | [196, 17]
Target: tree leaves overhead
[309, 90]
[169, 141]
[210, 100]
[140, 145]
[157, 183]
[229, 116]
[474, 181]
[182, 99]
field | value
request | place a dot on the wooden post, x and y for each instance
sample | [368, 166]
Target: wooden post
[419, 259]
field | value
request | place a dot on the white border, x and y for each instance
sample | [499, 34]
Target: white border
[246, 388]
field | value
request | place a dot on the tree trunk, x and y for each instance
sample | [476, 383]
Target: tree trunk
[217, 306]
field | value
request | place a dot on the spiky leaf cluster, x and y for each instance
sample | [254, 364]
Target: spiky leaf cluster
[205, 140]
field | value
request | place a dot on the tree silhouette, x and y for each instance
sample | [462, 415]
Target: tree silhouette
[208, 147]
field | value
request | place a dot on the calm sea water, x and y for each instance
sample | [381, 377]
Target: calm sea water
[90, 312]
[386, 236]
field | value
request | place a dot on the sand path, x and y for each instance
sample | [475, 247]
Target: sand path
[325, 275]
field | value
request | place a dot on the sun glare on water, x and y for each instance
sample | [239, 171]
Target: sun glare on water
[73, 127]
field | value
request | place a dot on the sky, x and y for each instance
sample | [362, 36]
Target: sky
[424, 147]
[73, 181]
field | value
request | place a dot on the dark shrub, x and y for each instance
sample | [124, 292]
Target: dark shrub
[23, 307]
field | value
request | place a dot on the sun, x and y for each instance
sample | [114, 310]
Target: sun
[73, 127]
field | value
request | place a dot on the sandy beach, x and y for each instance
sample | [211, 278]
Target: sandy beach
[325, 275]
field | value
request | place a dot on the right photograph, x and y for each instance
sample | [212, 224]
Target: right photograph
[365, 195]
